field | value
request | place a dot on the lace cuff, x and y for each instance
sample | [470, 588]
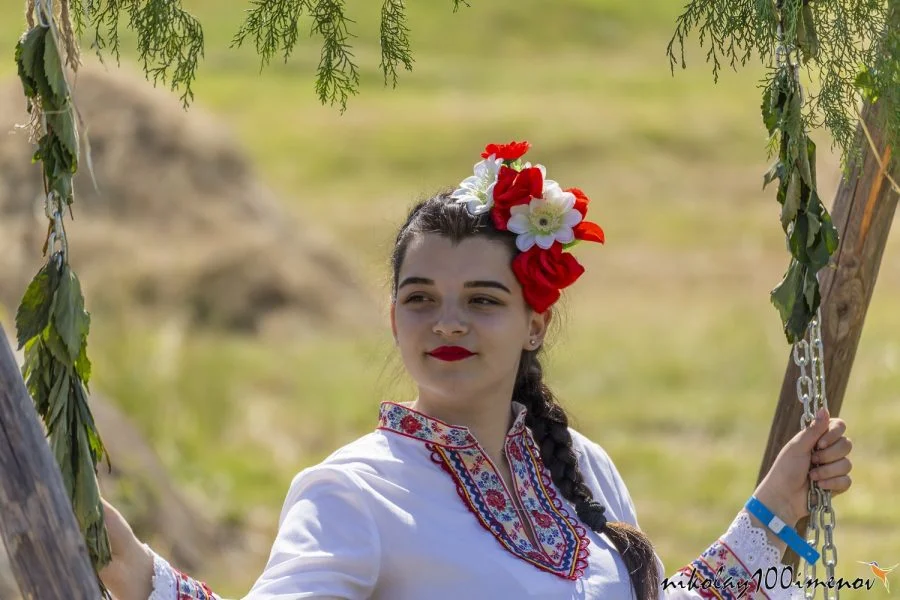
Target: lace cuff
[164, 578]
[751, 544]
[740, 564]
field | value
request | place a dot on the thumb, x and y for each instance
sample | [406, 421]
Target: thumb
[807, 438]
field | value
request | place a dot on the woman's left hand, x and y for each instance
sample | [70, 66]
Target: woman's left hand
[818, 453]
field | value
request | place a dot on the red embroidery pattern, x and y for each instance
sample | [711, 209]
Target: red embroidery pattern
[191, 589]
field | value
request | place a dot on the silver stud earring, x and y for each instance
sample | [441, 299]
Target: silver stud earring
[533, 342]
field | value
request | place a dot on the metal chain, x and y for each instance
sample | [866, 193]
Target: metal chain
[809, 352]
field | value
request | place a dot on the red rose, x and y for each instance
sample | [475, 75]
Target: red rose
[585, 230]
[409, 424]
[514, 188]
[510, 151]
[542, 273]
[542, 519]
[495, 499]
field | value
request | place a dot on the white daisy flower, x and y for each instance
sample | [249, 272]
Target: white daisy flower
[545, 220]
[477, 191]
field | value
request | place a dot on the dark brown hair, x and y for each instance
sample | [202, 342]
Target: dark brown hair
[545, 418]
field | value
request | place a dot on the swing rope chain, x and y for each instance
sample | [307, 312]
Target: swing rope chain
[811, 393]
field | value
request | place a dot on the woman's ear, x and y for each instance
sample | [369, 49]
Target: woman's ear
[537, 329]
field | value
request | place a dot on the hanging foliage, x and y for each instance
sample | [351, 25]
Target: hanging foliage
[51, 323]
[170, 40]
[850, 49]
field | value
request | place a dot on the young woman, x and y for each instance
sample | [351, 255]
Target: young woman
[478, 488]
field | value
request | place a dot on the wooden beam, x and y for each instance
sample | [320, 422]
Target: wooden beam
[863, 211]
[46, 549]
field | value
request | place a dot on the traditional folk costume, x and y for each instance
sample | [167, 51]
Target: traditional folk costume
[416, 510]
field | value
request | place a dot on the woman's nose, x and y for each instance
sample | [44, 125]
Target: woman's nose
[450, 323]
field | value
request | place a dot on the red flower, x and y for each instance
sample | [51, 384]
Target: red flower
[495, 499]
[585, 230]
[542, 273]
[409, 424]
[541, 518]
[514, 188]
[510, 151]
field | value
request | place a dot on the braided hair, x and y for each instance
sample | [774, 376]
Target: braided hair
[545, 417]
[550, 427]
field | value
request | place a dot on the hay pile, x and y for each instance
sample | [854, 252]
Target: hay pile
[180, 225]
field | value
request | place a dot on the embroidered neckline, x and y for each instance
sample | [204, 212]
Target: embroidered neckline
[407, 421]
[561, 541]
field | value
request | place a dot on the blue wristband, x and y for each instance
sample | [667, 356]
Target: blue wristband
[784, 531]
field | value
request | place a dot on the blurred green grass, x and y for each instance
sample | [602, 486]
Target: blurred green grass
[671, 358]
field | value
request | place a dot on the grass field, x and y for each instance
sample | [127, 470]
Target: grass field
[671, 357]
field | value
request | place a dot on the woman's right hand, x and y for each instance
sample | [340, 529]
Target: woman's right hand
[129, 575]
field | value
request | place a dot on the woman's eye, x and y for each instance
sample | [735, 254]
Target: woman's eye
[484, 301]
[414, 298]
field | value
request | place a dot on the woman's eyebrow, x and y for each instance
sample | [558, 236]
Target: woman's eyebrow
[414, 280]
[487, 283]
[469, 284]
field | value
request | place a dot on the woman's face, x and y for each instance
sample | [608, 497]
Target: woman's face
[467, 296]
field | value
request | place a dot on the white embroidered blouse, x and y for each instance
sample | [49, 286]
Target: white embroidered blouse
[417, 510]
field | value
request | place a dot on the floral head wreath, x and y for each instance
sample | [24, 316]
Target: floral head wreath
[545, 218]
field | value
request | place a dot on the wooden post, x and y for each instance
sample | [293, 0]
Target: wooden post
[863, 211]
[46, 549]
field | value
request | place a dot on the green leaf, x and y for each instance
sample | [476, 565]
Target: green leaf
[58, 401]
[818, 254]
[791, 200]
[789, 297]
[63, 187]
[776, 171]
[87, 421]
[811, 292]
[807, 39]
[811, 162]
[62, 125]
[55, 345]
[53, 71]
[785, 293]
[34, 311]
[69, 317]
[829, 232]
[83, 364]
[797, 240]
[813, 227]
[29, 47]
[32, 48]
[770, 113]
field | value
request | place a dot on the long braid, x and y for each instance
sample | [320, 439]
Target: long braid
[550, 426]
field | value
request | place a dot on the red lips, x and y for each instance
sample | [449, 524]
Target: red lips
[451, 353]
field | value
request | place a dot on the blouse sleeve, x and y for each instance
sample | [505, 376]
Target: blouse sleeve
[171, 584]
[740, 564]
[327, 546]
